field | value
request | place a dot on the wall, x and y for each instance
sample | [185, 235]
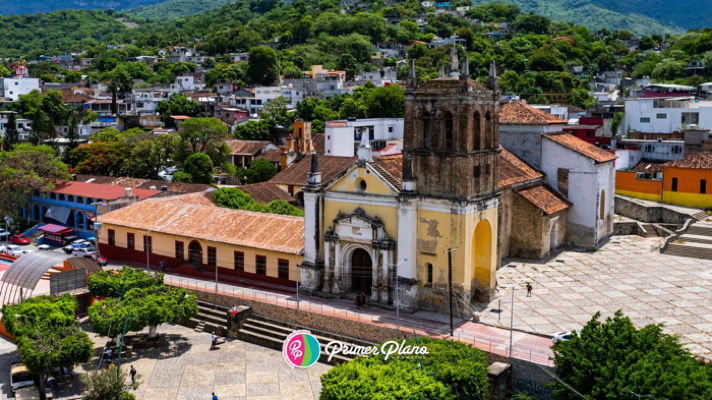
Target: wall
[635, 109]
[631, 208]
[522, 140]
[688, 187]
[531, 378]
[628, 185]
[164, 250]
[530, 238]
[627, 159]
[504, 233]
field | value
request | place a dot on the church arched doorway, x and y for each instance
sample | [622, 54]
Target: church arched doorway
[195, 253]
[482, 253]
[361, 271]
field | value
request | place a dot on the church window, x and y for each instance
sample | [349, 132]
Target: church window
[489, 134]
[362, 184]
[478, 130]
[430, 274]
[487, 169]
[477, 171]
[448, 131]
[427, 134]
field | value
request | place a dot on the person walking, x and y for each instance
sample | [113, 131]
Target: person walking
[215, 397]
[133, 374]
[529, 290]
[214, 341]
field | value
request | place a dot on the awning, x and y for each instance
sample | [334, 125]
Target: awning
[58, 213]
[52, 228]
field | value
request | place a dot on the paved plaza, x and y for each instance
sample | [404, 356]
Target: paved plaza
[187, 369]
[623, 274]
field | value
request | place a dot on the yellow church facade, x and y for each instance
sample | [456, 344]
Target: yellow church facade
[415, 216]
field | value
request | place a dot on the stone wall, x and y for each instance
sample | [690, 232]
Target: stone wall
[531, 378]
[528, 230]
[641, 212]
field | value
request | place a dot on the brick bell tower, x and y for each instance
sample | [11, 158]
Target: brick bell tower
[451, 140]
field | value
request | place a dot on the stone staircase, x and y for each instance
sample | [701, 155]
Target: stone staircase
[696, 242]
[210, 318]
[648, 230]
[49, 272]
[270, 333]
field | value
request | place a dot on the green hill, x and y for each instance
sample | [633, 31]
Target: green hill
[10, 7]
[174, 9]
[638, 16]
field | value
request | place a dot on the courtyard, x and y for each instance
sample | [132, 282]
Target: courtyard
[187, 369]
[624, 274]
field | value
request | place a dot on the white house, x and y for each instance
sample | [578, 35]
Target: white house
[521, 127]
[13, 88]
[385, 75]
[666, 115]
[343, 137]
[188, 83]
[585, 175]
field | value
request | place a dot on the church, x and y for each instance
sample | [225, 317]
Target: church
[433, 217]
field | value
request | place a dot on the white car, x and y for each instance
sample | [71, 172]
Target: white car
[84, 252]
[13, 250]
[562, 337]
[43, 247]
[20, 377]
[4, 233]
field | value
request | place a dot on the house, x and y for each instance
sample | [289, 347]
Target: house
[294, 178]
[266, 192]
[683, 182]
[588, 133]
[382, 77]
[661, 117]
[343, 137]
[24, 125]
[325, 84]
[244, 152]
[13, 88]
[194, 239]
[232, 116]
[76, 204]
[239, 57]
[167, 188]
[189, 83]
[103, 106]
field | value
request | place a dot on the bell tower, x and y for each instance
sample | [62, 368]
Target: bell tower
[451, 141]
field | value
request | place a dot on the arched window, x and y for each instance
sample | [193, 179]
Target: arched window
[61, 197]
[477, 124]
[430, 274]
[489, 131]
[70, 198]
[448, 131]
[427, 134]
[52, 196]
[602, 212]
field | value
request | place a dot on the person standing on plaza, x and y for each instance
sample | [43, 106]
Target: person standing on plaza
[215, 397]
[214, 340]
[133, 374]
[529, 290]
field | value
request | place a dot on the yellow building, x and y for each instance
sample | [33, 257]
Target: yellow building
[191, 235]
[404, 216]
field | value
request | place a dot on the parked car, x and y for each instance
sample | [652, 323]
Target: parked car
[77, 244]
[44, 247]
[20, 239]
[84, 252]
[562, 337]
[20, 376]
[4, 233]
[99, 260]
[13, 250]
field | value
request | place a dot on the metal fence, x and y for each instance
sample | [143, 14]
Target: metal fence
[407, 326]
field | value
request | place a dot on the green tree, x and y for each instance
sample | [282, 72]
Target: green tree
[386, 102]
[581, 98]
[646, 43]
[532, 23]
[42, 128]
[199, 167]
[668, 69]
[12, 136]
[144, 299]
[53, 106]
[546, 59]
[353, 108]
[283, 208]
[276, 111]
[262, 66]
[606, 359]
[236, 199]
[178, 104]
[120, 82]
[72, 134]
[261, 171]
[350, 65]
[253, 130]
[108, 384]
[47, 335]
[202, 135]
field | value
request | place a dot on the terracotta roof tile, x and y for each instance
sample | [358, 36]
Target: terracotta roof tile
[319, 140]
[196, 199]
[518, 113]
[238, 227]
[513, 170]
[70, 97]
[298, 172]
[648, 167]
[581, 146]
[173, 187]
[693, 161]
[580, 127]
[274, 156]
[390, 168]
[246, 147]
[265, 192]
[97, 191]
[544, 198]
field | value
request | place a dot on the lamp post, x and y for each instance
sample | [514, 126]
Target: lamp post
[511, 323]
[296, 264]
[449, 284]
[395, 267]
[8, 222]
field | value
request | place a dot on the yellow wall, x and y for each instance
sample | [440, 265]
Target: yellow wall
[438, 231]
[164, 245]
[628, 185]
[688, 187]
[352, 181]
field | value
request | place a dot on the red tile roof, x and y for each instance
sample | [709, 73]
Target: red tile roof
[513, 170]
[648, 167]
[580, 127]
[97, 191]
[297, 173]
[390, 168]
[274, 156]
[518, 113]
[693, 161]
[581, 146]
[544, 198]
[196, 199]
[246, 147]
[179, 117]
[265, 192]
[172, 187]
[238, 227]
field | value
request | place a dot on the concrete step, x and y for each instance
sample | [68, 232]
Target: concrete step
[700, 216]
[209, 326]
[321, 335]
[696, 238]
[697, 229]
[200, 327]
[690, 249]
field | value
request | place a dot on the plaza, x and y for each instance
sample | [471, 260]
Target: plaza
[627, 274]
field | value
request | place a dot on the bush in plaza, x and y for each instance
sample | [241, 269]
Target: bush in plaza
[607, 359]
[450, 370]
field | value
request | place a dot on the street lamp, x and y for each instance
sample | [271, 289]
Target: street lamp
[395, 266]
[640, 396]
[8, 222]
[511, 323]
[449, 284]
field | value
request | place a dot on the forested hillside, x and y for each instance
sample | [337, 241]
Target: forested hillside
[173, 9]
[14, 7]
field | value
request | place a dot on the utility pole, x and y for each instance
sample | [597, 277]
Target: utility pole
[449, 284]
[299, 273]
[511, 324]
[397, 299]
